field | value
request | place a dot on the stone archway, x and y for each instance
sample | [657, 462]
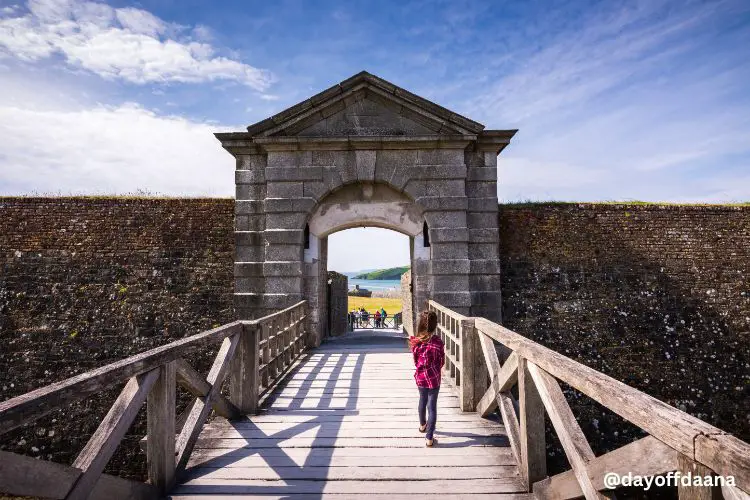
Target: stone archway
[366, 133]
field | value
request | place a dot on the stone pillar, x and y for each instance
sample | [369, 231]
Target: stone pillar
[249, 224]
[484, 234]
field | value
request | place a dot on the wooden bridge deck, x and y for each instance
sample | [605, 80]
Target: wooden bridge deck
[344, 424]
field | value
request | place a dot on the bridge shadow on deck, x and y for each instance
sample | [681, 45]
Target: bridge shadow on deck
[317, 429]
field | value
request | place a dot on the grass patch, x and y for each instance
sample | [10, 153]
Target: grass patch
[392, 306]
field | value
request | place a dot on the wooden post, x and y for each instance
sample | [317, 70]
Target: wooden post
[244, 377]
[473, 368]
[533, 464]
[160, 409]
[691, 492]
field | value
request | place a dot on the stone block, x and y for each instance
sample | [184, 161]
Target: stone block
[248, 269]
[484, 266]
[450, 283]
[485, 204]
[250, 191]
[447, 187]
[248, 207]
[247, 300]
[448, 234]
[485, 283]
[365, 160]
[251, 162]
[256, 222]
[286, 220]
[249, 253]
[487, 235]
[483, 251]
[283, 284]
[283, 252]
[450, 266]
[434, 203]
[249, 238]
[284, 236]
[481, 220]
[249, 285]
[250, 177]
[283, 159]
[315, 190]
[451, 251]
[401, 176]
[289, 174]
[452, 300]
[285, 189]
[282, 268]
[481, 174]
[481, 188]
[446, 219]
[282, 205]
[440, 157]
[438, 172]
[332, 179]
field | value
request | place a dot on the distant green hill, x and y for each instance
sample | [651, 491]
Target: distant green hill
[394, 273]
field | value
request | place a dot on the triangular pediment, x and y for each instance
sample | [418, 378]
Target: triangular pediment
[365, 105]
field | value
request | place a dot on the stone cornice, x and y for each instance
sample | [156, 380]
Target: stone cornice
[243, 143]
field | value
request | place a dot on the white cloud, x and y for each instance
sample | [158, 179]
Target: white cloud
[128, 43]
[110, 150]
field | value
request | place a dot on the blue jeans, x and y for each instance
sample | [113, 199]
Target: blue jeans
[428, 404]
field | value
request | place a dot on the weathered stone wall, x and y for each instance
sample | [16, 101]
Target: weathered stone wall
[338, 302]
[407, 313]
[655, 296]
[88, 281]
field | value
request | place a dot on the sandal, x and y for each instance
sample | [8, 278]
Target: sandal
[423, 428]
[430, 443]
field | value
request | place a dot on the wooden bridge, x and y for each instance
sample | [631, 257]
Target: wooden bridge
[340, 421]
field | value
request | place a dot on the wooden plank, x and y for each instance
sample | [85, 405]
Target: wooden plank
[348, 473]
[333, 431]
[202, 406]
[571, 437]
[35, 404]
[533, 464]
[415, 442]
[646, 457]
[510, 421]
[199, 387]
[332, 458]
[668, 424]
[28, 477]
[690, 491]
[102, 445]
[502, 380]
[260, 487]
[726, 455]
[161, 423]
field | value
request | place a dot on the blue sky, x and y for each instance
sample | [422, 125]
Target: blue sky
[614, 100]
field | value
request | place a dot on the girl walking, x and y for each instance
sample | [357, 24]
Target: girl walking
[429, 357]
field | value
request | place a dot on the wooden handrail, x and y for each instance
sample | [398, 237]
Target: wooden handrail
[152, 376]
[676, 438]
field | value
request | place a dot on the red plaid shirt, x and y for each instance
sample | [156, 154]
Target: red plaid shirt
[428, 360]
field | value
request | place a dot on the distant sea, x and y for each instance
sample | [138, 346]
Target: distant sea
[372, 284]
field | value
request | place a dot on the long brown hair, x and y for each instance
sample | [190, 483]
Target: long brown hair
[426, 325]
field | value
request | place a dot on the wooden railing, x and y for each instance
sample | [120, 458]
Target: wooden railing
[253, 354]
[676, 442]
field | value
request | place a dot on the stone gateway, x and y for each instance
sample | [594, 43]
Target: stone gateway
[365, 153]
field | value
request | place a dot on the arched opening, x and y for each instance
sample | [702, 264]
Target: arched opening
[363, 205]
